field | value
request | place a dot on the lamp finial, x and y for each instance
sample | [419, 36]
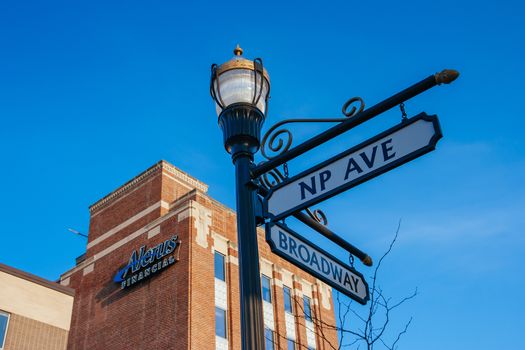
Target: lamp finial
[238, 51]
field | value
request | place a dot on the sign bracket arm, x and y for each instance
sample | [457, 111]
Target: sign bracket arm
[365, 258]
[444, 77]
[323, 230]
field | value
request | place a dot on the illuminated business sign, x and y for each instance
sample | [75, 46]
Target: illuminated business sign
[144, 262]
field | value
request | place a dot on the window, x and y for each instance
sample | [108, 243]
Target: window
[220, 322]
[307, 309]
[287, 300]
[268, 339]
[290, 344]
[4, 320]
[266, 289]
[220, 271]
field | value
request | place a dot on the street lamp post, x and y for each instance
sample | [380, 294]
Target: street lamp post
[240, 89]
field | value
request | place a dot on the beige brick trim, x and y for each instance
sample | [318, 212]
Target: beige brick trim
[287, 277]
[307, 288]
[88, 269]
[220, 244]
[123, 241]
[179, 174]
[65, 281]
[153, 232]
[128, 222]
[325, 292]
[266, 268]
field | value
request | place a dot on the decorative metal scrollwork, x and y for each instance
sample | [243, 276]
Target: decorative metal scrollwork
[354, 110]
[281, 147]
[276, 177]
[280, 140]
[318, 215]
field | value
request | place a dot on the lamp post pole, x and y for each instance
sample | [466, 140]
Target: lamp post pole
[240, 88]
[252, 326]
[241, 126]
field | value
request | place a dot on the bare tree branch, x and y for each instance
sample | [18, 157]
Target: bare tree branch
[369, 329]
[393, 346]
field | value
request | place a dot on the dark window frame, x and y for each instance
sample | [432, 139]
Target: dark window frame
[4, 335]
[287, 294]
[268, 341]
[222, 274]
[307, 306]
[263, 279]
[225, 323]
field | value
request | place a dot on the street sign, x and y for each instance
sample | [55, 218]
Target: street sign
[396, 146]
[293, 248]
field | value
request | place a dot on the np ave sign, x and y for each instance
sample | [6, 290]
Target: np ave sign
[384, 152]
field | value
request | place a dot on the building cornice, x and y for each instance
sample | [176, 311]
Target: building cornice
[183, 176]
[144, 176]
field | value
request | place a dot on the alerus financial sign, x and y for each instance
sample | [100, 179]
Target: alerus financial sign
[146, 262]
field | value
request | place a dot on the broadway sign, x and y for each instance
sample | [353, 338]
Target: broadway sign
[307, 256]
[392, 148]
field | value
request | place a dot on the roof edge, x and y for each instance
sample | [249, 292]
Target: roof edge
[38, 280]
[139, 179]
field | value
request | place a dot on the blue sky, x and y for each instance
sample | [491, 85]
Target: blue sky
[92, 93]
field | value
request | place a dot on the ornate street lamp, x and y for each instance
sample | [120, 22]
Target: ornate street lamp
[240, 89]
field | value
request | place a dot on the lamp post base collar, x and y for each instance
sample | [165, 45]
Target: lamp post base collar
[241, 124]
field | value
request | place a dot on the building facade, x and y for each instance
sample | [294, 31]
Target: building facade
[35, 313]
[161, 272]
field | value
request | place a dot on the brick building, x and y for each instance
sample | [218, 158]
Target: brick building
[161, 272]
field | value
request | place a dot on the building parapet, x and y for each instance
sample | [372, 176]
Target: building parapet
[139, 179]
